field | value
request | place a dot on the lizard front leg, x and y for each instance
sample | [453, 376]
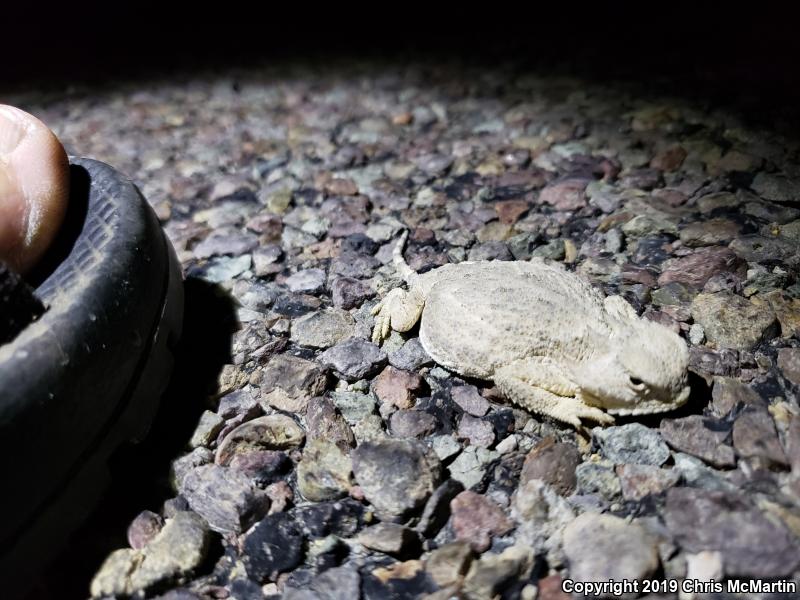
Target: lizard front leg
[399, 310]
[537, 384]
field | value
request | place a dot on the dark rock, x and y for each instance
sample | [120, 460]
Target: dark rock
[295, 305]
[338, 583]
[20, 305]
[491, 250]
[360, 244]
[554, 463]
[354, 359]
[354, 265]
[348, 292]
[225, 498]
[235, 244]
[397, 476]
[263, 467]
[699, 437]
[238, 402]
[271, 432]
[273, 546]
[751, 544]
[754, 436]
[437, 508]
[343, 518]
[324, 473]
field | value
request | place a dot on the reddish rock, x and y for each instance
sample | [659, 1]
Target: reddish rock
[477, 520]
[669, 158]
[397, 387]
[789, 364]
[699, 437]
[565, 195]
[698, 267]
[479, 432]
[754, 436]
[554, 463]
[509, 211]
[550, 588]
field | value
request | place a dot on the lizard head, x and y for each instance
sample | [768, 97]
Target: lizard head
[643, 371]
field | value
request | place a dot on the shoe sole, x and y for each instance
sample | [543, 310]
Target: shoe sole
[88, 376]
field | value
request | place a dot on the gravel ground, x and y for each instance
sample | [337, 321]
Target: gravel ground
[325, 467]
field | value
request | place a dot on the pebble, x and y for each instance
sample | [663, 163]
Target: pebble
[411, 356]
[144, 528]
[776, 187]
[639, 481]
[554, 463]
[397, 476]
[208, 427]
[397, 387]
[271, 432]
[604, 547]
[354, 359]
[700, 437]
[390, 538]
[488, 576]
[597, 478]
[225, 498]
[273, 546]
[697, 268]
[754, 436]
[477, 431]
[469, 466]
[307, 281]
[324, 473]
[323, 329]
[632, 443]
[293, 378]
[565, 195]
[468, 398]
[449, 563]
[324, 421]
[789, 364]
[725, 522]
[348, 293]
[730, 321]
[412, 424]
[476, 519]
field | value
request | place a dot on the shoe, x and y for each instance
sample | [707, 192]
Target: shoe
[87, 376]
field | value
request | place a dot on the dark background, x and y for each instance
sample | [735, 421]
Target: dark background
[742, 56]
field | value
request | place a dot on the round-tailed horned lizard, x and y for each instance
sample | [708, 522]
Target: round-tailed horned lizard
[547, 339]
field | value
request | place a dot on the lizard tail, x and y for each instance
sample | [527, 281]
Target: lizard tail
[406, 272]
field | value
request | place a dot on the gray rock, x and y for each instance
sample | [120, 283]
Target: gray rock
[631, 443]
[354, 265]
[437, 508]
[323, 329]
[597, 478]
[699, 437]
[397, 476]
[225, 498]
[410, 357]
[751, 544]
[470, 466]
[789, 364]
[308, 281]
[709, 233]
[390, 538]
[731, 321]
[354, 359]
[238, 402]
[603, 547]
[266, 260]
[234, 244]
[553, 250]
[181, 466]
[468, 398]
[225, 268]
[449, 563]
[758, 248]
[324, 473]
[353, 406]
[492, 250]
[776, 187]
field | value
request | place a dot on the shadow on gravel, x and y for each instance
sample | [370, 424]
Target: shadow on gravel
[140, 473]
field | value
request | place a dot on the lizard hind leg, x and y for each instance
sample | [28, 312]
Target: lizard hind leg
[399, 310]
[537, 385]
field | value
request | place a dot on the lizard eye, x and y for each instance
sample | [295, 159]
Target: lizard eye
[637, 383]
